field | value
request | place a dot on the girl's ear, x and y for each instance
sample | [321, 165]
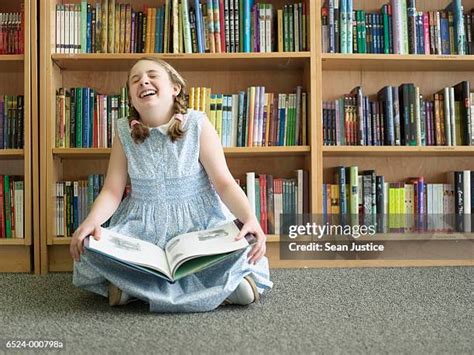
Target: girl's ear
[176, 89]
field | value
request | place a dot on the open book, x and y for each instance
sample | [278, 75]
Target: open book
[183, 255]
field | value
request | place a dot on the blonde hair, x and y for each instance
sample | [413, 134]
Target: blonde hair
[141, 131]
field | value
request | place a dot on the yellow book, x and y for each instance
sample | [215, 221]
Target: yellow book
[175, 27]
[153, 30]
[123, 21]
[212, 116]
[208, 101]
[334, 199]
[197, 99]
[104, 19]
[391, 207]
[191, 99]
[210, 21]
[280, 30]
[117, 29]
[219, 103]
[111, 29]
[204, 100]
[128, 28]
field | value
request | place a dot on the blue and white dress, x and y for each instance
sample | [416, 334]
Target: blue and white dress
[171, 195]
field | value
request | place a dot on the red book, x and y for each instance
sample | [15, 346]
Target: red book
[222, 25]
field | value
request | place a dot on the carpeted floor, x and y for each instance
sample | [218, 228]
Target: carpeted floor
[386, 310]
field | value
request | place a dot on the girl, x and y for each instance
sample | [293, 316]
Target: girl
[178, 175]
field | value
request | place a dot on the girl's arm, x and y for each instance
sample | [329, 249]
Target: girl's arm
[106, 203]
[212, 158]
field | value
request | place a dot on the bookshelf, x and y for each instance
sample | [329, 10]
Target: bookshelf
[324, 76]
[16, 76]
[342, 72]
[224, 73]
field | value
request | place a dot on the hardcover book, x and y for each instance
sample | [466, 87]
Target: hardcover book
[183, 255]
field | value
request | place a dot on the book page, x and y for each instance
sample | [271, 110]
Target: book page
[208, 242]
[130, 250]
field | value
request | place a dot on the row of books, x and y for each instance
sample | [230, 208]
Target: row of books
[269, 197]
[11, 121]
[85, 118]
[180, 26]
[401, 116]
[73, 202]
[12, 32]
[11, 206]
[398, 28]
[255, 118]
[367, 193]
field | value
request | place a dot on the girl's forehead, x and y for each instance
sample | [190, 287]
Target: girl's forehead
[146, 65]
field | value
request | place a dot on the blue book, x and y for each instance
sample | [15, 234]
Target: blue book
[349, 25]
[88, 34]
[281, 137]
[157, 30]
[241, 120]
[199, 26]
[444, 32]
[248, 4]
[85, 117]
[459, 32]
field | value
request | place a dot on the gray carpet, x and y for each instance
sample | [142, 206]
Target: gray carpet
[386, 310]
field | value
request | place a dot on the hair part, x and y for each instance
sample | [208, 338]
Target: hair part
[141, 131]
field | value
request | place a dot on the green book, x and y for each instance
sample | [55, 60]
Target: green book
[7, 202]
[183, 255]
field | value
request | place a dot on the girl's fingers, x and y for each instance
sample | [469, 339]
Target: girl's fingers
[243, 232]
[97, 233]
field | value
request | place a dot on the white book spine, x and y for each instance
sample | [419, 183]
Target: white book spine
[452, 115]
[467, 191]
[261, 25]
[251, 190]
[235, 113]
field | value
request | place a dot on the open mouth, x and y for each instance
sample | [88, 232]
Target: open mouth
[147, 93]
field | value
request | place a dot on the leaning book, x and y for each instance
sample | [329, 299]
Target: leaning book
[183, 255]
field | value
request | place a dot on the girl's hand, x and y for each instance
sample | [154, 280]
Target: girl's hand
[77, 243]
[252, 226]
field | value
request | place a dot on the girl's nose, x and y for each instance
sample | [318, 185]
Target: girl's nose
[144, 81]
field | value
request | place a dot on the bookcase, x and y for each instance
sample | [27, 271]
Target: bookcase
[323, 76]
[340, 73]
[16, 75]
[224, 73]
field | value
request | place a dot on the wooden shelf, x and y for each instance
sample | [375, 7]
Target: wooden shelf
[384, 151]
[13, 241]
[11, 63]
[397, 62]
[11, 153]
[82, 153]
[61, 240]
[99, 153]
[185, 62]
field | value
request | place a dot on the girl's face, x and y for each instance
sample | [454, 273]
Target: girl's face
[150, 87]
